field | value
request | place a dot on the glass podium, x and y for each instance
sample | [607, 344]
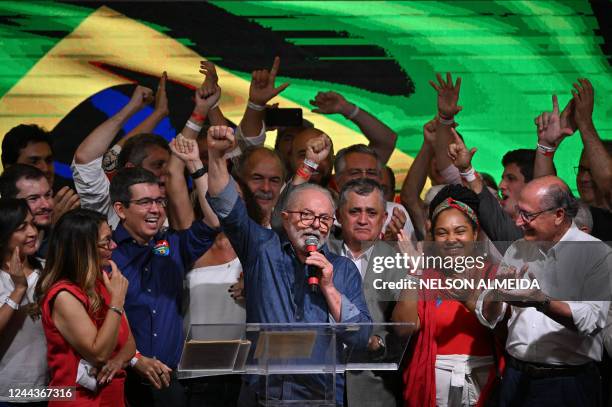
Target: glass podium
[291, 364]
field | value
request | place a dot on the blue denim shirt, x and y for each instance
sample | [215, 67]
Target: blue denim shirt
[275, 281]
[154, 297]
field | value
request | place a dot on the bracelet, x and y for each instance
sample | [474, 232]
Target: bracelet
[135, 359]
[303, 173]
[354, 113]
[469, 175]
[117, 310]
[216, 105]
[311, 164]
[198, 117]
[11, 303]
[547, 151]
[446, 122]
[198, 173]
[544, 305]
[193, 126]
[255, 106]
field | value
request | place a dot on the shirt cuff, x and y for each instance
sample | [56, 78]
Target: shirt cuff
[480, 315]
[348, 310]
[258, 140]
[589, 317]
[223, 203]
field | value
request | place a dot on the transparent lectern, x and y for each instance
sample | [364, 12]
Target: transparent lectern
[291, 364]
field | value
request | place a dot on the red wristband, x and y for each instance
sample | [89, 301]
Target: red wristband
[303, 173]
[198, 117]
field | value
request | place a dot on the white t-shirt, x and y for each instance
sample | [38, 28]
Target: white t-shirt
[209, 299]
[23, 346]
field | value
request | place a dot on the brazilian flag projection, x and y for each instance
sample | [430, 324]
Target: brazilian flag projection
[67, 66]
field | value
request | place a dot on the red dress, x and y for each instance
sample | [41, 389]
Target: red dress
[447, 327]
[63, 359]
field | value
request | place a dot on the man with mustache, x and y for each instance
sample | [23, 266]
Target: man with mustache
[27, 182]
[262, 171]
[275, 273]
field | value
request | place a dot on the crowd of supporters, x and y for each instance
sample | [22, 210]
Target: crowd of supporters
[101, 280]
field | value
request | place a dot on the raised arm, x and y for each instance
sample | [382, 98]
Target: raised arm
[552, 128]
[415, 180]
[220, 140]
[99, 140]
[187, 151]
[382, 139]
[448, 97]
[594, 149]
[180, 210]
[209, 87]
[317, 150]
[160, 112]
[261, 91]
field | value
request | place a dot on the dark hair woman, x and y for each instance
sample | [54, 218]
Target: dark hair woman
[453, 360]
[88, 337]
[23, 351]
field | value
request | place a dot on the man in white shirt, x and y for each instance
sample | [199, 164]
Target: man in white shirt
[554, 328]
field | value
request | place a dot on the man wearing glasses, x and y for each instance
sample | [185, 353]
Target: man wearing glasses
[554, 329]
[154, 260]
[276, 267]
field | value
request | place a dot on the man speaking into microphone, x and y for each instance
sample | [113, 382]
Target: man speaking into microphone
[276, 267]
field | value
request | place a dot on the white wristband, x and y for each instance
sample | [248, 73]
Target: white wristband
[446, 122]
[193, 126]
[469, 176]
[11, 303]
[546, 150]
[311, 164]
[256, 107]
[216, 105]
[354, 113]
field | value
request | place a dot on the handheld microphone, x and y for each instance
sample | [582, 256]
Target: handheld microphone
[312, 244]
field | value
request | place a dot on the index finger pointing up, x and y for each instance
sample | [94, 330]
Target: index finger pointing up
[555, 104]
[275, 67]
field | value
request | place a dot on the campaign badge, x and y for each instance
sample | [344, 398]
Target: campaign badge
[161, 248]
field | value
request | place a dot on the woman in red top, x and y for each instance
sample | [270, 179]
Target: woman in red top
[88, 337]
[453, 361]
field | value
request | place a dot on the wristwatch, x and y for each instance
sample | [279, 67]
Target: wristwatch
[543, 305]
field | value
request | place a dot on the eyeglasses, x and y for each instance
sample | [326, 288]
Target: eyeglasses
[308, 218]
[529, 217]
[106, 244]
[148, 202]
[580, 169]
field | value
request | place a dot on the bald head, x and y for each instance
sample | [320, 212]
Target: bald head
[540, 187]
[546, 208]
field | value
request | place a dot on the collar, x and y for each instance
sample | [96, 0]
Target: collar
[348, 253]
[121, 234]
[570, 235]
